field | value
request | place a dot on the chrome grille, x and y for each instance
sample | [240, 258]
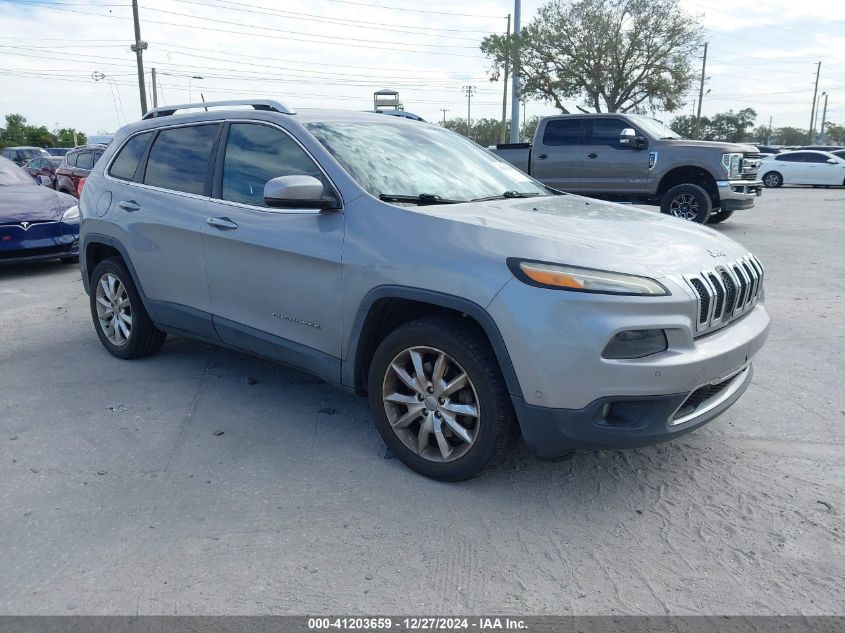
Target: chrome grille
[726, 292]
[749, 165]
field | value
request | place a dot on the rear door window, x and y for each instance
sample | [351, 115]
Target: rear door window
[179, 158]
[563, 132]
[126, 162]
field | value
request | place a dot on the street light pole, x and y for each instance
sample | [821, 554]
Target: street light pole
[444, 111]
[504, 132]
[514, 136]
[813, 109]
[822, 133]
[701, 92]
[139, 47]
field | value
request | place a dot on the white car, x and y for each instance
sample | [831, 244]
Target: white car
[803, 167]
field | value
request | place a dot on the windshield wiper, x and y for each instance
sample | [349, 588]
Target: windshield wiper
[422, 199]
[506, 194]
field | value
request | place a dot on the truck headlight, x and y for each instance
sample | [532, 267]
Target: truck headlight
[733, 164]
[636, 344]
[71, 214]
[579, 279]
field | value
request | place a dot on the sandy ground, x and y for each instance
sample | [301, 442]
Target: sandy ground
[119, 495]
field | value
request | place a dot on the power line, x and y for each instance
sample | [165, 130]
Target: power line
[389, 8]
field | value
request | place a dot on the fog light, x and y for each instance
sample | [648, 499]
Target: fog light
[636, 344]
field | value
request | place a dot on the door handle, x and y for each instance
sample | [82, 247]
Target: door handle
[224, 224]
[129, 205]
[542, 156]
[592, 155]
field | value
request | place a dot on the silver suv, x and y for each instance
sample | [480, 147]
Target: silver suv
[402, 262]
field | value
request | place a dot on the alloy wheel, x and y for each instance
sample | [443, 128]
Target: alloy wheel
[114, 310]
[684, 206]
[431, 404]
[772, 180]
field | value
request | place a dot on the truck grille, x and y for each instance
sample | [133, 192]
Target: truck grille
[749, 166]
[726, 292]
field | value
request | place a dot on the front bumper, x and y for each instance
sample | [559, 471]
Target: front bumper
[738, 194]
[628, 422]
[39, 241]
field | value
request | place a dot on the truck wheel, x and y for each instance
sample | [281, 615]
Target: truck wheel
[772, 179]
[719, 216]
[687, 202]
[439, 399]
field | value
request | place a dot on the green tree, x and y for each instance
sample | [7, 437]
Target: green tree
[685, 125]
[727, 126]
[834, 134]
[15, 133]
[614, 55]
[790, 136]
[68, 137]
[528, 127]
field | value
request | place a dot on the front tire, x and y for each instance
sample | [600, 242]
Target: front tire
[687, 202]
[772, 179]
[438, 398]
[122, 323]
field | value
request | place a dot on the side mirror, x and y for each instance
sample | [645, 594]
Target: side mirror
[41, 179]
[297, 192]
[628, 138]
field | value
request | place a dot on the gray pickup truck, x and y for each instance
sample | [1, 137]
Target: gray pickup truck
[634, 158]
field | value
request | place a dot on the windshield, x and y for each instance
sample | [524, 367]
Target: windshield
[412, 160]
[654, 128]
[11, 174]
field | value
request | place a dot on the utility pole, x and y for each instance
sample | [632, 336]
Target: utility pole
[469, 91]
[139, 47]
[701, 93]
[155, 91]
[769, 136]
[503, 133]
[444, 111]
[822, 132]
[813, 109]
[517, 10]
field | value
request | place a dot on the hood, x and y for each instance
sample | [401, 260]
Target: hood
[569, 229]
[725, 148]
[32, 203]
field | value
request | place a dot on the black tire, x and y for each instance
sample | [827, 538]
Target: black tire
[144, 338]
[469, 349]
[688, 199]
[719, 216]
[772, 179]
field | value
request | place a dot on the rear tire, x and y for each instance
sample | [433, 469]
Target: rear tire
[719, 216]
[772, 179]
[122, 323]
[687, 202]
[441, 425]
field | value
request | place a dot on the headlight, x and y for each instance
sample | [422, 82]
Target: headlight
[71, 214]
[583, 279]
[732, 163]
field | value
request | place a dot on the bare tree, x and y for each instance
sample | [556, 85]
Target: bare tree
[615, 55]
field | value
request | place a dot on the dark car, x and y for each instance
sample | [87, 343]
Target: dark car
[76, 166]
[21, 155]
[821, 148]
[768, 149]
[840, 153]
[58, 151]
[36, 222]
[45, 168]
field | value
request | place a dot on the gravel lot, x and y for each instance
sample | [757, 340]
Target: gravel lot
[205, 481]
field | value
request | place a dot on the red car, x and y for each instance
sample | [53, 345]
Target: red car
[45, 167]
[77, 164]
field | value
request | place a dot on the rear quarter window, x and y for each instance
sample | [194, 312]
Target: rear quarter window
[126, 162]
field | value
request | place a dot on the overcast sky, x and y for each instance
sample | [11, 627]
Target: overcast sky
[335, 53]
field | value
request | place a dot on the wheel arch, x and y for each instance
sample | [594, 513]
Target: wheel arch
[387, 307]
[689, 174]
[96, 248]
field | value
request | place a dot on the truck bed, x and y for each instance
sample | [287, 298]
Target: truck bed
[517, 154]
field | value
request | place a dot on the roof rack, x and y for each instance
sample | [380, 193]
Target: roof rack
[258, 104]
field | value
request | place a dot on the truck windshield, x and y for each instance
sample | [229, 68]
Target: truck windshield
[396, 160]
[653, 128]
